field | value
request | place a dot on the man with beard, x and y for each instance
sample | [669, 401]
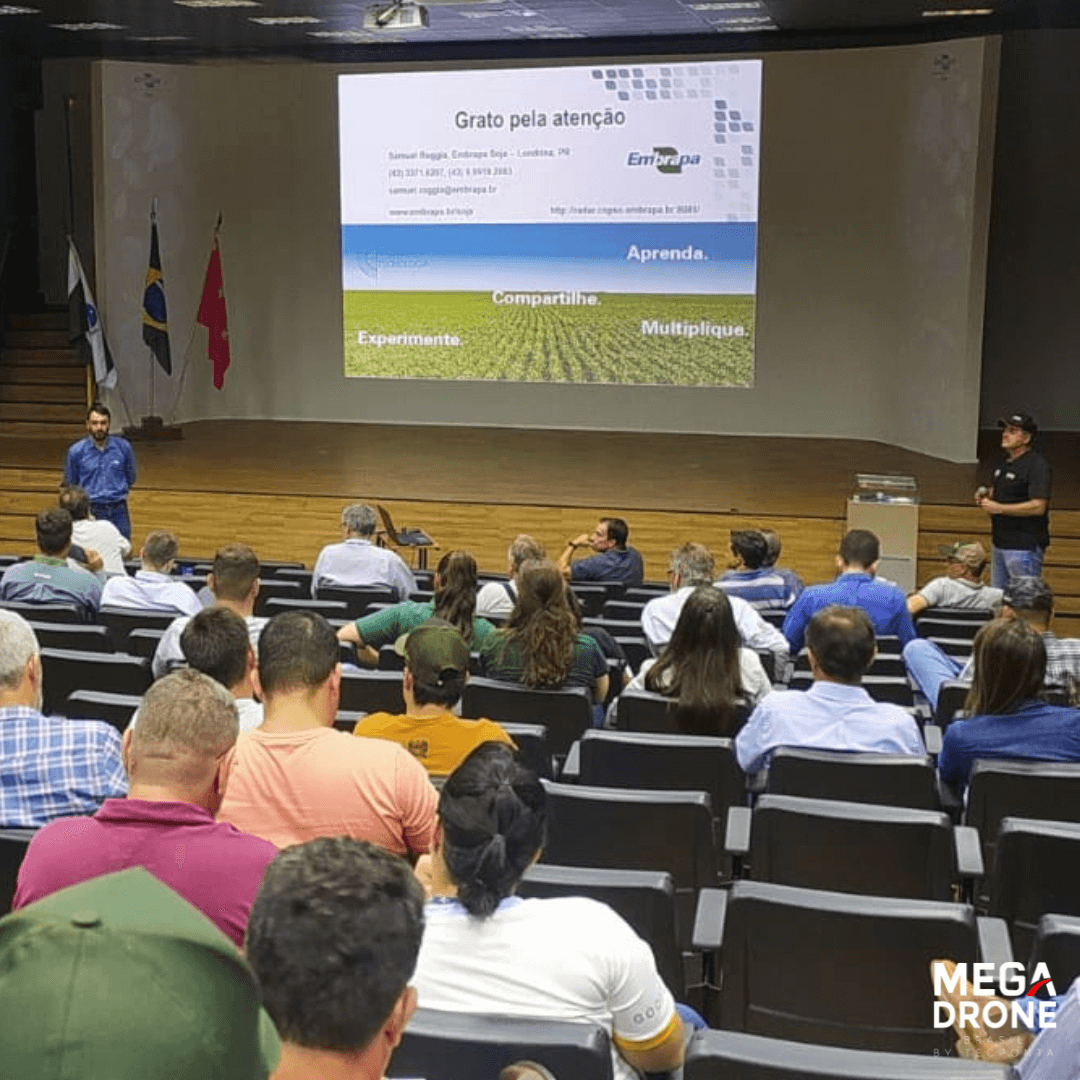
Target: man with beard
[104, 465]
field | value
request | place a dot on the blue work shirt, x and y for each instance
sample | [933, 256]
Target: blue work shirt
[615, 564]
[885, 604]
[105, 474]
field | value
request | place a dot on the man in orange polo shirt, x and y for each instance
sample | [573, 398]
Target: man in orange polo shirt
[436, 670]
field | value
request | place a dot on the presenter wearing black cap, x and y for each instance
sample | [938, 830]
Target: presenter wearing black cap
[1018, 502]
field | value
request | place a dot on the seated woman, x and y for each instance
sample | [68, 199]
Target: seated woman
[540, 645]
[455, 601]
[1006, 718]
[706, 668]
[488, 951]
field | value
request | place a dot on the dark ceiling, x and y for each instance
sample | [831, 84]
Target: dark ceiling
[335, 29]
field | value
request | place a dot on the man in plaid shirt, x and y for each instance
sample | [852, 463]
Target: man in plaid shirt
[49, 768]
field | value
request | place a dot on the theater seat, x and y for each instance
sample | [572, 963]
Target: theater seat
[461, 1046]
[278, 588]
[115, 709]
[1057, 944]
[13, 845]
[357, 600]
[84, 637]
[121, 621]
[533, 749]
[65, 670]
[50, 613]
[644, 711]
[565, 713]
[372, 691]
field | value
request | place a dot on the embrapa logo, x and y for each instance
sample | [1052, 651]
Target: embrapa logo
[1022, 1008]
[667, 159]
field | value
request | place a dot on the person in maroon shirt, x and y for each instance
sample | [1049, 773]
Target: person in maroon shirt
[174, 758]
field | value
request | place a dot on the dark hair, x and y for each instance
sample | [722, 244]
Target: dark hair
[1010, 666]
[455, 591]
[860, 547]
[751, 546]
[617, 530]
[842, 641]
[235, 569]
[493, 812]
[52, 528]
[700, 665]
[772, 546]
[542, 626]
[100, 409]
[333, 938]
[216, 643]
[297, 650]
[160, 548]
[75, 501]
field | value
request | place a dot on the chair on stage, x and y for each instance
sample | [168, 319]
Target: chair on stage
[412, 538]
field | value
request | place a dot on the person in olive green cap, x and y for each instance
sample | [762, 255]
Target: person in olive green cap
[118, 978]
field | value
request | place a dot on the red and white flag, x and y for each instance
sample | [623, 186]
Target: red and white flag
[213, 316]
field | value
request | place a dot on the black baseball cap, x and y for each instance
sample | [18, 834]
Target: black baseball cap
[1022, 420]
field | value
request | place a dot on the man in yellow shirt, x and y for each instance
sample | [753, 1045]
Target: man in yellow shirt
[436, 670]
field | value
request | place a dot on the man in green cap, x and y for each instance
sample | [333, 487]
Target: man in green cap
[120, 979]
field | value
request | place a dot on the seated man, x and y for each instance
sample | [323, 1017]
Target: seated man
[119, 978]
[175, 758]
[750, 579]
[692, 565]
[1029, 599]
[961, 586]
[436, 670]
[497, 598]
[357, 561]
[233, 582]
[217, 643]
[333, 940]
[152, 589]
[836, 713]
[855, 586]
[613, 561]
[49, 768]
[104, 537]
[295, 777]
[47, 578]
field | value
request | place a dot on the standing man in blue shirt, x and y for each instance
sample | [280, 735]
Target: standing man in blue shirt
[613, 560]
[855, 587]
[104, 466]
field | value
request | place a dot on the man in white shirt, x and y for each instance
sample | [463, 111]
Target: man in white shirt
[216, 643]
[961, 586]
[101, 536]
[233, 581]
[836, 713]
[692, 565]
[357, 561]
[152, 589]
[497, 598]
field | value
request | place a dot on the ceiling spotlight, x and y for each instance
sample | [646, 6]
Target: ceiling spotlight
[216, 3]
[284, 20]
[399, 15]
[939, 13]
[14, 9]
[84, 27]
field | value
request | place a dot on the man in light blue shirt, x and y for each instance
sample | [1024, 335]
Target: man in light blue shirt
[836, 713]
[856, 586]
[104, 466]
[356, 561]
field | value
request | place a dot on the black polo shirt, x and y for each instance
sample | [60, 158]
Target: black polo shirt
[1026, 477]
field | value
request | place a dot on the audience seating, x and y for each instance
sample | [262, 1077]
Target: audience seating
[644, 711]
[115, 709]
[1041, 790]
[372, 691]
[951, 622]
[734, 1055]
[615, 627]
[636, 649]
[623, 759]
[278, 588]
[644, 898]
[329, 609]
[390, 659]
[87, 637]
[345, 720]
[13, 844]
[642, 594]
[455, 1046]
[144, 640]
[1057, 944]
[67, 670]
[774, 616]
[1036, 871]
[951, 697]
[50, 613]
[622, 610]
[854, 847]
[532, 743]
[121, 621]
[357, 600]
[837, 969]
[888, 779]
[959, 648]
[565, 713]
[891, 688]
[593, 595]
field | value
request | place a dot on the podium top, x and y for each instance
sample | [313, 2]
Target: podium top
[885, 488]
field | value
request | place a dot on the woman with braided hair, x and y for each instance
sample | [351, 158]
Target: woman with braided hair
[488, 951]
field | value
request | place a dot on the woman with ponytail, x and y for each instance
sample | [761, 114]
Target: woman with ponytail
[488, 951]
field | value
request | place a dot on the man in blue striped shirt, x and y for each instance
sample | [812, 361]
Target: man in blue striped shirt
[49, 768]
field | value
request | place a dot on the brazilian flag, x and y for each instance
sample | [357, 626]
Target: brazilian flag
[155, 331]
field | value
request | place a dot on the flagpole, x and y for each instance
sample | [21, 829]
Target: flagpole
[150, 352]
[191, 335]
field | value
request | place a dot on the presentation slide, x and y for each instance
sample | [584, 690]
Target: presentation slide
[567, 224]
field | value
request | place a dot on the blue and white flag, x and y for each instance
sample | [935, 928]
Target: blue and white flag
[84, 323]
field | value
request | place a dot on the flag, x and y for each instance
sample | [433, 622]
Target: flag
[84, 324]
[213, 316]
[155, 331]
